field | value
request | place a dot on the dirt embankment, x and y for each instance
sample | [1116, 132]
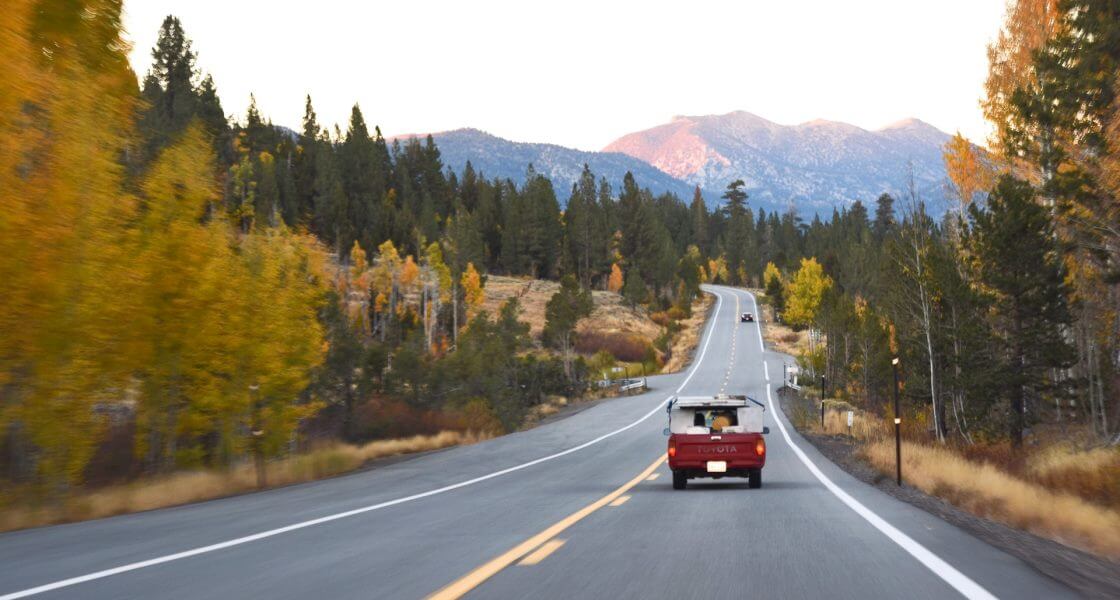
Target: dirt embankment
[610, 314]
[688, 338]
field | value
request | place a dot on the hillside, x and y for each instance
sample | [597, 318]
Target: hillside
[612, 326]
[815, 165]
[609, 316]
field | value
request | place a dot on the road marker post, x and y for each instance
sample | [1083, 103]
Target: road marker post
[822, 404]
[897, 426]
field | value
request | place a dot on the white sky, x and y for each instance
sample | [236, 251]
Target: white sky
[582, 73]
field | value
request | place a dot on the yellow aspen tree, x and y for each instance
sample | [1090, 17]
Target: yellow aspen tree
[386, 269]
[383, 279]
[279, 348]
[436, 289]
[967, 171]
[473, 294]
[358, 265]
[1029, 24]
[408, 278]
[805, 292]
[64, 245]
[614, 283]
[190, 277]
[770, 275]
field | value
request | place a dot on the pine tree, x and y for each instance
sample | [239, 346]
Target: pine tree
[567, 306]
[169, 87]
[772, 282]
[582, 227]
[738, 231]
[256, 135]
[698, 211]
[332, 208]
[1025, 283]
[884, 217]
[306, 160]
[359, 168]
[634, 291]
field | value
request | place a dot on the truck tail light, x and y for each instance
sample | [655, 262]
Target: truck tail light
[760, 447]
[672, 450]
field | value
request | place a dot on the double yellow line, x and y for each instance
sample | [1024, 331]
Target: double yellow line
[475, 578]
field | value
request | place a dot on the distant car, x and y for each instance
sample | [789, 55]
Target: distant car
[746, 318]
[715, 437]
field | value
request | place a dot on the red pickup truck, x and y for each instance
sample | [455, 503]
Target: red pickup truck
[716, 436]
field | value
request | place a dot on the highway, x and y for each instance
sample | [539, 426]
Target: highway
[582, 507]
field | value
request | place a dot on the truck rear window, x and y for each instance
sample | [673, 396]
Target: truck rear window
[715, 420]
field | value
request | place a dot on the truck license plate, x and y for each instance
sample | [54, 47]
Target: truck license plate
[717, 466]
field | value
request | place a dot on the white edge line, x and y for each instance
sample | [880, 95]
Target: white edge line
[357, 511]
[959, 581]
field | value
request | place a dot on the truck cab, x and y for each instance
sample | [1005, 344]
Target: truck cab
[715, 437]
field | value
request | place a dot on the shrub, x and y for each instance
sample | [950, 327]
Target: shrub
[627, 347]
[662, 318]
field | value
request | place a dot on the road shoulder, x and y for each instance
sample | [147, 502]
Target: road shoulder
[1089, 575]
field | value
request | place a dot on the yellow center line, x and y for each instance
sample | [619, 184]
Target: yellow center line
[468, 582]
[620, 500]
[542, 553]
[652, 477]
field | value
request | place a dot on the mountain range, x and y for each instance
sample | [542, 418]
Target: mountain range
[813, 166]
[492, 156]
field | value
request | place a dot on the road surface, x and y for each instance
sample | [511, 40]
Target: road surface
[581, 507]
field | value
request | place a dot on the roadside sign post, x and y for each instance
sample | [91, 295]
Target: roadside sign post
[897, 426]
[822, 403]
[851, 419]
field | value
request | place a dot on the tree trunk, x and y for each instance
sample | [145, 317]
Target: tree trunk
[1018, 407]
[927, 326]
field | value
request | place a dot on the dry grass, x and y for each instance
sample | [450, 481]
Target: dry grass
[684, 344]
[186, 487]
[865, 427]
[1093, 474]
[536, 414]
[990, 492]
[783, 338]
[533, 295]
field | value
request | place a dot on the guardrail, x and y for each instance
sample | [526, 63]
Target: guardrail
[632, 384]
[624, 385]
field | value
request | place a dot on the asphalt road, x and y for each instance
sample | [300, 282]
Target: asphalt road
[581, 507]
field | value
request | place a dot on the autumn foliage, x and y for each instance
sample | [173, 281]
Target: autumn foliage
[131, 295]
[614, 283]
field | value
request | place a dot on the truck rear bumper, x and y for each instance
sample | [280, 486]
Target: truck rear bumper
[695, 469]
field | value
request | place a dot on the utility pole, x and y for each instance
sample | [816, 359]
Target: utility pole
[897, 426]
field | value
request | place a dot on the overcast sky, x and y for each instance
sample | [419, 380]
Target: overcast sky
[582, 73]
